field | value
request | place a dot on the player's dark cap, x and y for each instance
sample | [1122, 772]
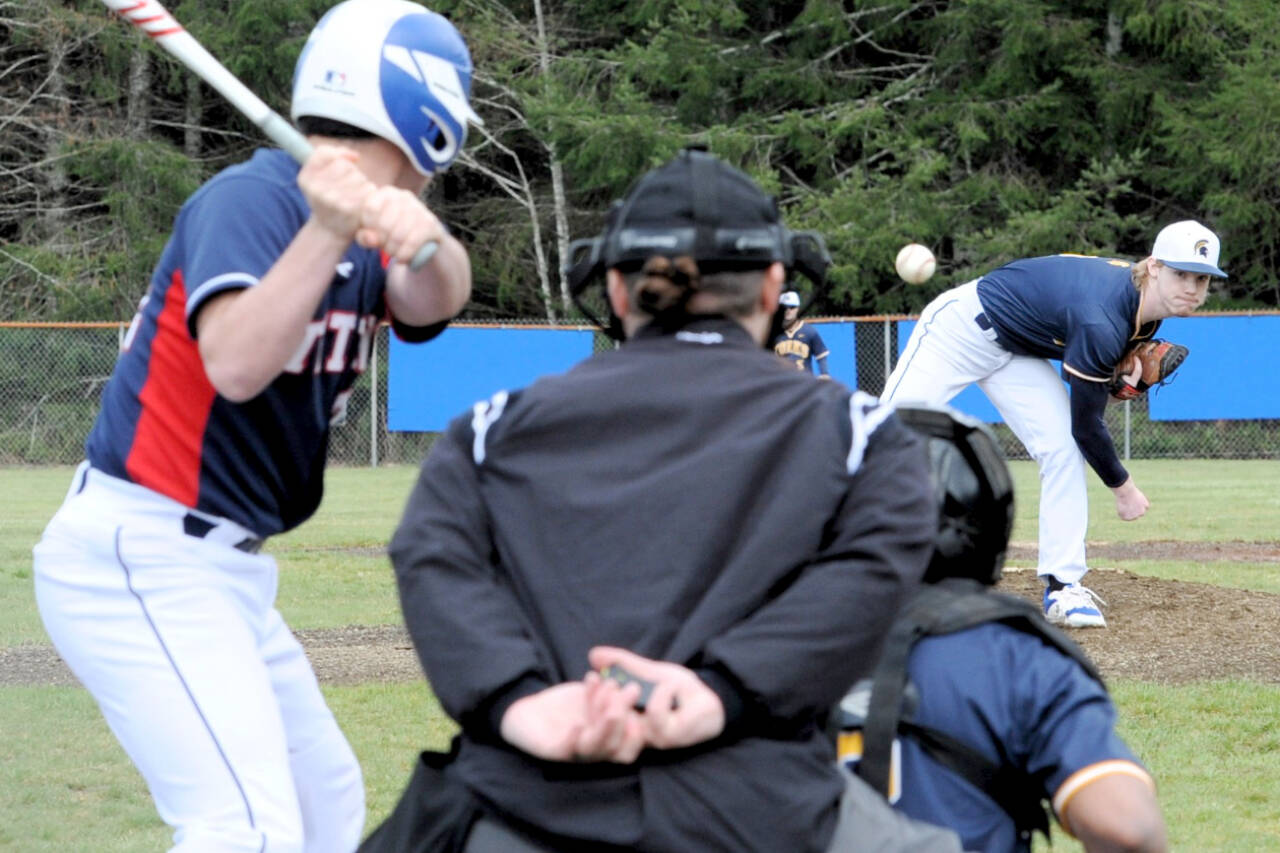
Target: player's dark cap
[697, 206]
[974, 492]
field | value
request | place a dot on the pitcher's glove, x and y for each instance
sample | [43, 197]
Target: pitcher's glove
[1158, 358]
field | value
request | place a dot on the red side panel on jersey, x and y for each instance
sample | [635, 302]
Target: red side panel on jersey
[176, 400]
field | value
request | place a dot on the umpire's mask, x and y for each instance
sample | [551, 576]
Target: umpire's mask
[695, 206]
[974, 491]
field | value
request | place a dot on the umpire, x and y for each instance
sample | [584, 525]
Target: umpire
[732, 532]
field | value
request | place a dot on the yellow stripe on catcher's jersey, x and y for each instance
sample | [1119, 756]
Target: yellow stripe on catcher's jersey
[849, 753]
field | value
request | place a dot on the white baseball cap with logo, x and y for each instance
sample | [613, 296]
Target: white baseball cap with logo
[790, 299]
[1188, 246]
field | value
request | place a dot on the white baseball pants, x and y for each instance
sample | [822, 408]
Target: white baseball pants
[948, 351]
[196, 673]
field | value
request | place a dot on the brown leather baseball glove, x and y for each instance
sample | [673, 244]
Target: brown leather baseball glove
[1158, 360]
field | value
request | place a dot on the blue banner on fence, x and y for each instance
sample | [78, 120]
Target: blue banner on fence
[1229, 372]
[842, 355]
[430, 384]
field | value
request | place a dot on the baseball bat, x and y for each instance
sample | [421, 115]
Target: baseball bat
[154, 20]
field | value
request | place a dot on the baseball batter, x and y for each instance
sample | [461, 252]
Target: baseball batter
[214, 429]
[1001, 330]
[800, 344]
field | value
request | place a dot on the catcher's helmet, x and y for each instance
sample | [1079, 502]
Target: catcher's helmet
[697, 206]
[974, 491]
[393, 68]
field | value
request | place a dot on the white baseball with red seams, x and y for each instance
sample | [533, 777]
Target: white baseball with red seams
[915, 263]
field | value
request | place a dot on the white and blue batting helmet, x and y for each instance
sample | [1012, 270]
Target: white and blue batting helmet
[395, 69]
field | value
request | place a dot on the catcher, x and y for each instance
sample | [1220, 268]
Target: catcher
[1002, 329]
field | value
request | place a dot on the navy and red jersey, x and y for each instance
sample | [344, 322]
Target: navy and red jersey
[800, 346]
[162, 425]
[1014, 698]
[1077, 308]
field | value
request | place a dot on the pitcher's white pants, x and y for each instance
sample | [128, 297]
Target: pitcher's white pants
[947, 352]
[196, 673]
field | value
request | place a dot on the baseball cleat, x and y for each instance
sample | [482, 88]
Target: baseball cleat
[1073, 607]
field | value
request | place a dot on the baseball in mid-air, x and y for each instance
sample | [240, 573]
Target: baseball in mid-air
[915, 263]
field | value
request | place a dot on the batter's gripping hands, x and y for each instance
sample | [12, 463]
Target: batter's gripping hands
[1158, 358]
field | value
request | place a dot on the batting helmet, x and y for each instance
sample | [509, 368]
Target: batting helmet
[394, 69]
[974, 493]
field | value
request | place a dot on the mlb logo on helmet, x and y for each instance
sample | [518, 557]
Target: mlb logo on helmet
[1188, 246]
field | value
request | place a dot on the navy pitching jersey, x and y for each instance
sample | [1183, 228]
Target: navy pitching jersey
[1080, 309]
[162, 425]
[1004, 692]
[801, 345]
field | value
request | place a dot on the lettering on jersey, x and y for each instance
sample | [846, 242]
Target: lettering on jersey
[792, 348]
[704, 338]
[327, 344]
[483, 416]
[133, 324]
[866, 413]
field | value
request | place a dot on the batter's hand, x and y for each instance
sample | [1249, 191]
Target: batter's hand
[682, 710]
[1131, 503]
[335, 189]
[397, 222]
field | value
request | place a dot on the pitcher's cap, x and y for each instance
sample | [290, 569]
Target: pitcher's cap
[1188, 246]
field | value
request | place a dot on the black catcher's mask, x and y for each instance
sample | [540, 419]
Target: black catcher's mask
[699, 206]
[974, 490]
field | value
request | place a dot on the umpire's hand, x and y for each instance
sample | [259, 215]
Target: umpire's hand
[588, 720]
[682, 710]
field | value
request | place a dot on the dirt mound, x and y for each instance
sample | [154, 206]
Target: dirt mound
[1172, 631]
[1164, 631]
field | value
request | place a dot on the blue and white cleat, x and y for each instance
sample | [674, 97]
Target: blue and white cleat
[1074, 606]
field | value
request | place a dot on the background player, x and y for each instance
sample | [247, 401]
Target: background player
[800, 344]
[998, 681]
[1000, 331]
[214, 429]
[637, 511]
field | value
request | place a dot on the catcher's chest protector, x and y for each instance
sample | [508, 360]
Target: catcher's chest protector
[943, 608]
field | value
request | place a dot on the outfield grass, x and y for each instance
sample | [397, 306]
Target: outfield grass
[66, 785]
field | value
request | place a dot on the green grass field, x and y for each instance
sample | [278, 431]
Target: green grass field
[65, 785]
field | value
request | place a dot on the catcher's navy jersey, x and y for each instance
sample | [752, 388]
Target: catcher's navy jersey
[1011, 696]
[259, 463]
[802, 345]
[1080, 309]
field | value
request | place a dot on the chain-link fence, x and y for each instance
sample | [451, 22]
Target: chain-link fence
[52, 375]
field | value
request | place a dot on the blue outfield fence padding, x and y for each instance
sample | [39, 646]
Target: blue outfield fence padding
[430, 384]
[1222, 378]
[1228, 374]
[842, 352]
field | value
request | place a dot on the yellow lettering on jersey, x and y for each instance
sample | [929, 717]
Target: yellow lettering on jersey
[799, 349]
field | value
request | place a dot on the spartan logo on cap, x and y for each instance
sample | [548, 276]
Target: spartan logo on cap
[1202, 248]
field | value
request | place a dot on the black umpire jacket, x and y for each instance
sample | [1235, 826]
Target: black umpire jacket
[691, 498]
